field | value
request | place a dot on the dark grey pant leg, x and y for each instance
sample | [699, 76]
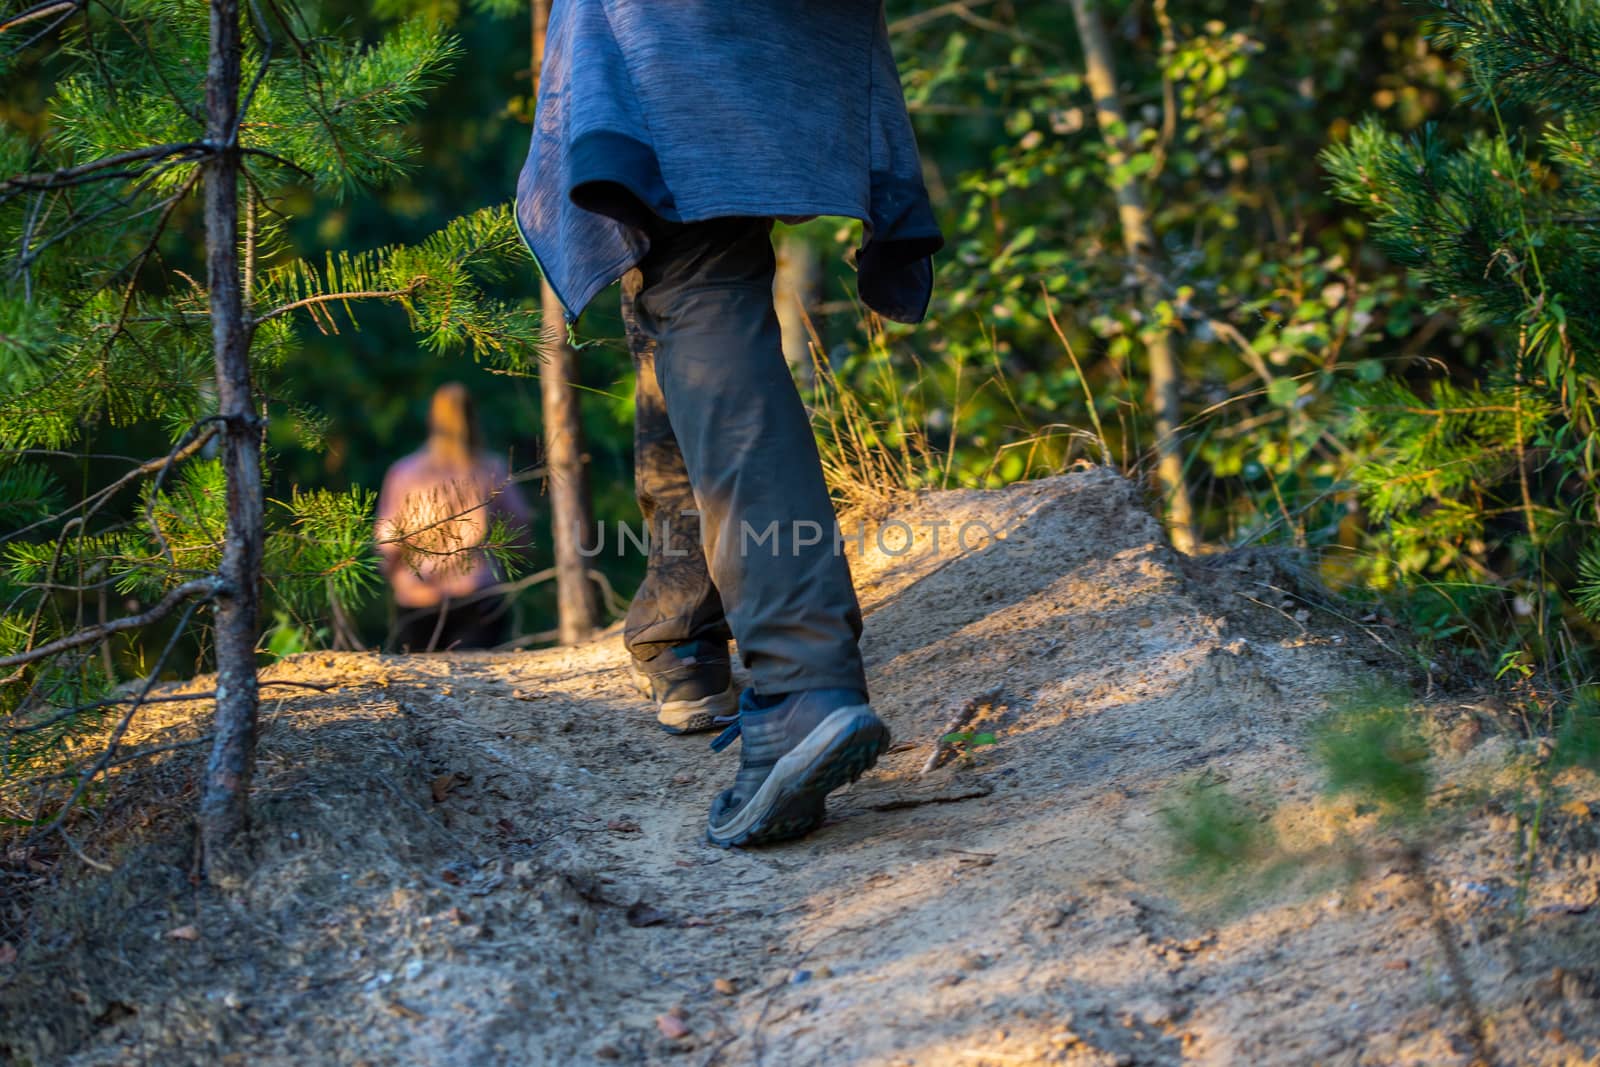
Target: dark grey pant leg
[677, 601]
[748, 449]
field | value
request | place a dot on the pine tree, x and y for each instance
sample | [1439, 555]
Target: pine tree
[147, 284]
[1486, 480]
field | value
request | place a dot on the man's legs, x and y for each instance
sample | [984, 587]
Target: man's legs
[745, 445]
[675, 630]
[677, 602]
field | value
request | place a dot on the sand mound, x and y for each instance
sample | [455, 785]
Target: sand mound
[498, 859]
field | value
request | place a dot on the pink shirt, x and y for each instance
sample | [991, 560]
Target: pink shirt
[433, 515]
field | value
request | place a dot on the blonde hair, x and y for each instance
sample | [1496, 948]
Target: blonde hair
[453, 434]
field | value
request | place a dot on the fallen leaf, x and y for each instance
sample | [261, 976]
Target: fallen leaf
[671, 1027]
[623, 826]
[396, 1008]
[726, 986]
[183, 933]
[446, 784]
[8, 954]
[450, 877]
[455, 915]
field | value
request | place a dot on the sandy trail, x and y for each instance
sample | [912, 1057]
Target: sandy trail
[498, 859]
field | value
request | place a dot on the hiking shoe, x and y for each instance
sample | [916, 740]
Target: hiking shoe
[794, 753]
[691, 685]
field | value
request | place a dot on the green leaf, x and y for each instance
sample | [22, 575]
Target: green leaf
[1283, 392]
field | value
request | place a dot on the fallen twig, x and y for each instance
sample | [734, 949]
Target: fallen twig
[963, 715]
[900, 800]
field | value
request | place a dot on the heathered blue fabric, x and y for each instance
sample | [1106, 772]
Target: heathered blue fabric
[702, 109]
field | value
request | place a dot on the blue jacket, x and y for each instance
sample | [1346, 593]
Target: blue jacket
[698, 109]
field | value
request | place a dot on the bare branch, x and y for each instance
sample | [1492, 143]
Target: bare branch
[121, 728]
[179, 698]
[205, 588]
[497, 590]
[93, 171]
[92, 503]
[127, 757]
[40, 11]
[911, 22]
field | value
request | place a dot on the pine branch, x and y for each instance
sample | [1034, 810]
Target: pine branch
[337, 298]
[205, 588]
[91, 504]
[87, 172]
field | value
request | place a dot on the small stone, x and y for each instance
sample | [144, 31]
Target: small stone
[231, 1001]
[1463, 736]
[608, 1052]
[1151, 1012]
[726, 986]
[823, 972]
[672, 1028]
[413, 970]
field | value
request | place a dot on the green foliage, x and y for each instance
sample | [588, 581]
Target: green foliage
[1372, 749]
[105, 330]
[324, 551]
[1483, 476]
[1218, 837]
[1577, 735]
[1530, 53]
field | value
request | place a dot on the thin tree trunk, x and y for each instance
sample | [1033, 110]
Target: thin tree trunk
[795, 286]
[571, 509]
[224, 811]
[1139, 240]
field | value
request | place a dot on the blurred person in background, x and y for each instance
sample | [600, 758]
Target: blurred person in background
[437, 516]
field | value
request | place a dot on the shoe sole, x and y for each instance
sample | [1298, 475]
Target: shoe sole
[789, 803]
[688, 716]
[697, 716]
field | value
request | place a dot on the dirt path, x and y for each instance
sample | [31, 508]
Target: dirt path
[498, 859]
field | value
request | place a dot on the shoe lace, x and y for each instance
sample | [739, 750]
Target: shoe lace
[727, 736]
